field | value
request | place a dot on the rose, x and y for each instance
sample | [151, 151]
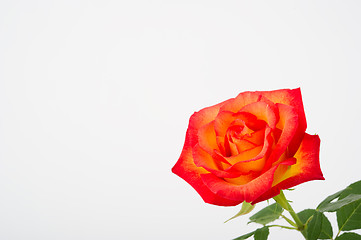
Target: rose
[249, 148]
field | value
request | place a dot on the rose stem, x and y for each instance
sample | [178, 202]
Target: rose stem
[281, 199]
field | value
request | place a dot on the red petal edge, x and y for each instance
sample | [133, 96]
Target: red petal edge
[248, 192]
[306, 169]
[185, 167]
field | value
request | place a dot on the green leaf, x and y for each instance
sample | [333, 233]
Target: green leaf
[349, 217]
[349, 236]
[332, 207]
[326, 227]
[354, 188]
[261, 233]
[306, 214]
[326, 231]
[245, 236]
[268, 214]
[246, 208]
[314, 226]
[329, 199]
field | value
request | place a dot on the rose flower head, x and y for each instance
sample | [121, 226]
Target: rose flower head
[249, 148]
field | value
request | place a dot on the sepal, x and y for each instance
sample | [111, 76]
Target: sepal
[246, 208]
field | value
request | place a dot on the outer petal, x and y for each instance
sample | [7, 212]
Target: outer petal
[291, 97]
[199, 119]
[186, 169]
[288, 122]
[306, 169]
[247, 192]
[243, 99]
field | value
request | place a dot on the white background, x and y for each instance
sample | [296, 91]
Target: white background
[95, 98]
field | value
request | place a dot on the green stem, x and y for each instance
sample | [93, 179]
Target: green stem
[281, 199]
[289, 220]
[280, 226]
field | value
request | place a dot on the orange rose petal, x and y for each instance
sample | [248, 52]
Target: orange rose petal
[246, 163]
[222, 122]
[247, 192]
[243, 99]
[281, 170]
[220, 143]
[288, 122]
[291, 97]
[276, 134]
[243, 145]
[207, 137]
[256, 125]
[237, 126]
[203, 159]
[306, 169]
[233, 148]
[185, 167]
[256, 138]
[262, 111]
[230, 171]
[244, 179]
[199, 119]
[227, 147]
[245, 155]
[226, 119]
[206, 161]
[245, 117]
[267, 143]
[256, 164]
[187, 170]
[272, 105]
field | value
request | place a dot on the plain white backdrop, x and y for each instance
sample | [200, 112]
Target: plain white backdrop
[95, 98]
